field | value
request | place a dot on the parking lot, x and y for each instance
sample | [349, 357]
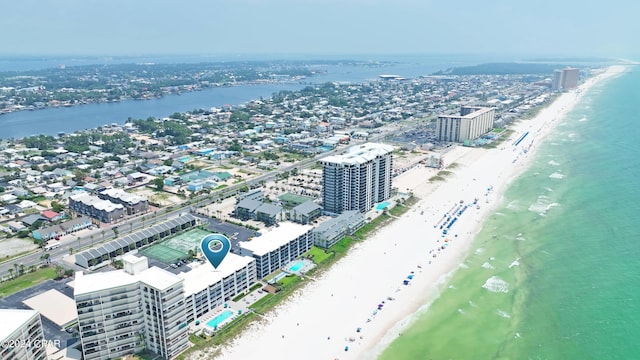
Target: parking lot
[235, 233]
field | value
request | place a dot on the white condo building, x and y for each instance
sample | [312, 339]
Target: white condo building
[472, 122]
[206, 288]
[125, 311]
[21, 335]
[274, 249]
[358, 179]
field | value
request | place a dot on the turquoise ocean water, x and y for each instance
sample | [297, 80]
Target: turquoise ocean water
[555, 271]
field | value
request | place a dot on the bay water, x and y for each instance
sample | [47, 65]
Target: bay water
[555, 271]
[51, 121]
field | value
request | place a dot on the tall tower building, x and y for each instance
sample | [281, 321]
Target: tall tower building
[556, 84]
[125, 311]
[357, 179]
[565, 79]
[472, 122]
[570, 77]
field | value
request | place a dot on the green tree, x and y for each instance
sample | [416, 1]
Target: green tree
[57, 207]
[159, 183]
[45, 258]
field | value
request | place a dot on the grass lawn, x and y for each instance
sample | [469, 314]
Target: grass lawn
[27, 280]
[317, 254]
[288, 281]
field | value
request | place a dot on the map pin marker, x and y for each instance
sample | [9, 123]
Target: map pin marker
[215, 247]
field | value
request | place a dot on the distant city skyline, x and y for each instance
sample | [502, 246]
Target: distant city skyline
[324, 27]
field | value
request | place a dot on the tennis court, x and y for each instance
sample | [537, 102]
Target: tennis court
[177, 247]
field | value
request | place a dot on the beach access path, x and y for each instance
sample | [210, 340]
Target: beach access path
[339, 315]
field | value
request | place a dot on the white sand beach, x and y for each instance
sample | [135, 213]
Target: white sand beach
[321, 319]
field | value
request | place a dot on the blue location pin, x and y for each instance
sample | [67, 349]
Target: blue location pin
[215, 247]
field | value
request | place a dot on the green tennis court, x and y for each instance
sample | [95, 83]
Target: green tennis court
[176, 248]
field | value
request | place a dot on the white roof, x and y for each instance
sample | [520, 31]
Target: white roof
[159, 278]
[101, 281]
[202, 276]
[13, 319]
[277, 237]
[123, 196]
[96, 202]
[153, 276]
[360, 154]
[55, 306]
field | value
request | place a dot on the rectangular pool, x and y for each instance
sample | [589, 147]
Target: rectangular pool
[297, 266]
[215, 322]
[382, 205]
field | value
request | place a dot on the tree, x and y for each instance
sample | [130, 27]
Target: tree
[159, 183]
[70, 250]
[57, 207]
[45, 258]
[21, 269]
[59, 272]
[10, 273]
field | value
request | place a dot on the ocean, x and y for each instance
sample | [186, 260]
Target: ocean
[555, 271]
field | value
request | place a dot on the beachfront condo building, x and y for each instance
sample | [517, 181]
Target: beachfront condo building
[331, 231]
[21, 335]
[206, 287]
[125, 311]
[473, 122]
[357, 179]
[570, 77]
[274, 249]
[565, 79]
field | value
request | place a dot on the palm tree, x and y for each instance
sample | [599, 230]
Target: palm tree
[32, 268]
[70, 250]
[21, 269]
[92, 236]
[102, 234]
[16, 266]
[45, 258]
[10, 273]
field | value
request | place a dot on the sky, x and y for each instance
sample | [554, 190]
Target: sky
[170, 27]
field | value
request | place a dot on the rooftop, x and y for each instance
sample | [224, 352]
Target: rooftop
[275, 238]
[158, 278]
[86, 284]
[12, 319]
[203, 275]
[360, 154]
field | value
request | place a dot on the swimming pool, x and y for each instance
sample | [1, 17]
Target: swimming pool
[297, 266]
[382, 205]
[215, 322]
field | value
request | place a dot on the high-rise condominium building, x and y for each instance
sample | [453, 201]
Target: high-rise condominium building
[472, 122]
[21, 335]
[565, 79]
[357, 179]
[122, 312]
[570, 77]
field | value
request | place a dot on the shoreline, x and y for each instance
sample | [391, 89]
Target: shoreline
[342, 307]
